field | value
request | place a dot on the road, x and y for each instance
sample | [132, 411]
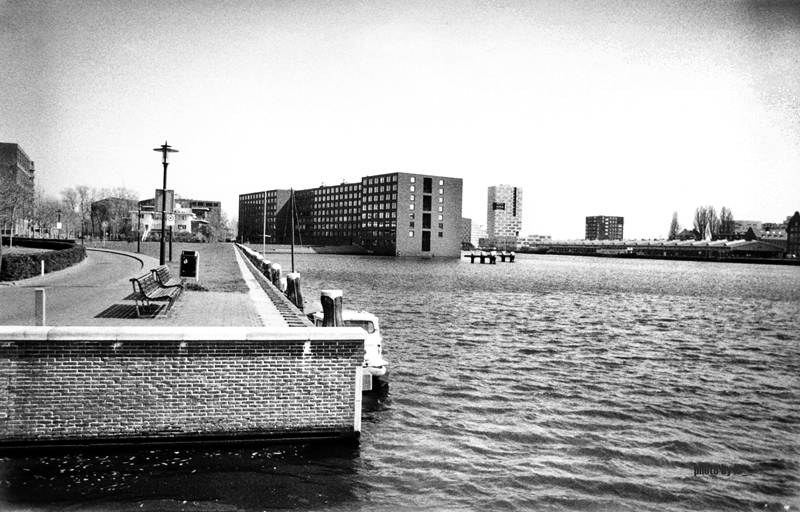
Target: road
[77, 295]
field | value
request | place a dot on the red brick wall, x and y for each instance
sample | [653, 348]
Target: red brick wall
[79, 384]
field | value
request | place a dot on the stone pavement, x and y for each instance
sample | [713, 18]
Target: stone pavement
[97, 292]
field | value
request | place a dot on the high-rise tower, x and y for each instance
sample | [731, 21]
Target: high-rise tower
[504, 216]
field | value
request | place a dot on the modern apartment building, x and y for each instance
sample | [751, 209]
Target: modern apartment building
[399, 214]
[503, 216]
[601, 227]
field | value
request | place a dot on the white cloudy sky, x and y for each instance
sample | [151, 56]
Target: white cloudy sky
[593, 107]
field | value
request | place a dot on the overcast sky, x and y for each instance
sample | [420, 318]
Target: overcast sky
[593, 107]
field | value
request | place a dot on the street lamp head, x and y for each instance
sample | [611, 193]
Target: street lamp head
[164, 149]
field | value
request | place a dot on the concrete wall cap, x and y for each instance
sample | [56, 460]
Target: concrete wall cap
[21, 332]
[332, 293]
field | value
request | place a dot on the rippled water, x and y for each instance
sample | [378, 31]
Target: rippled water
[555, 383]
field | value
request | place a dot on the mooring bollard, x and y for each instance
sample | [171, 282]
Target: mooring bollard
[332, 308]
[276, 274]
[266, 267]
[293, 290]
[40, 307]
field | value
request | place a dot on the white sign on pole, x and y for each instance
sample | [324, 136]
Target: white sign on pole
[170, 219]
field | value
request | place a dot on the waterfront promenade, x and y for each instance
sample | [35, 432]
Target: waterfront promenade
[96, 292]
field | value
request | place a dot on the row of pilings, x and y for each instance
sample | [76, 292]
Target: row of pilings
[288, 284]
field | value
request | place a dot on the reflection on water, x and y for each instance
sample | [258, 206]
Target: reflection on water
[561, 383]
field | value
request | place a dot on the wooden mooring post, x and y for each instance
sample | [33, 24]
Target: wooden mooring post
[332, 301]
[293, 290]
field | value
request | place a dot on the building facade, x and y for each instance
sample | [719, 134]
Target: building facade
[503, 216]
[399, 214]
[466, 232]
[601, 227]
[793, 235]
[17, 180]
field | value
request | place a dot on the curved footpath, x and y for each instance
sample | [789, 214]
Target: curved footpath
[96, 292]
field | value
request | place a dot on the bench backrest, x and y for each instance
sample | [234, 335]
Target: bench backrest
[162, 273]
[147, 283]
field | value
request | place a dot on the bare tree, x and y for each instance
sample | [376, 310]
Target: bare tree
[701, 221]
[217, 228]
[86, 196]
[713, 222]
[15, 202]
[726, 223]
[674, 227]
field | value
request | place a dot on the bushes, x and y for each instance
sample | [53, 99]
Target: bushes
[23, 266]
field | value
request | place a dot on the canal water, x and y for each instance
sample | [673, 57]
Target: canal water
[553, 383]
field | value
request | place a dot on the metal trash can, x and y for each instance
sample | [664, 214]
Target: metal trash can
[190, 264]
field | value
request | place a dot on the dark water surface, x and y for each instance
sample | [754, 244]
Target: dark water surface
[553, 383]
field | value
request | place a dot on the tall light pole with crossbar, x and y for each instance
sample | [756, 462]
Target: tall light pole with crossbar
[164, 149]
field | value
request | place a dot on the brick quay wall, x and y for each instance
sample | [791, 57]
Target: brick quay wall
[123, 385]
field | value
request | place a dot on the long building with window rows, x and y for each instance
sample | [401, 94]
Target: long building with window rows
[397, 214]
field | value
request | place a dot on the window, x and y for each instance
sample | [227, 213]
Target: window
[441, 200]
[441, 225]
[441, 218]
[426, 221]
[441, 208]
[441, 191]
[426, 203]
[411, 234]
[441, 183]
[413, 179]
[411, 188]
[441, 235]
[413, 198]
[411, 224]
[411, 207]
[427, 185]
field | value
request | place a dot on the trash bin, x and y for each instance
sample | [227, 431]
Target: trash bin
[190, 264]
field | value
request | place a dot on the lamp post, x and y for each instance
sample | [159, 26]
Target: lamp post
[164, 149]
[58, 224]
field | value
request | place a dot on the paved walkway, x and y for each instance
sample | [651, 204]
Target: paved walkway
[97, 291]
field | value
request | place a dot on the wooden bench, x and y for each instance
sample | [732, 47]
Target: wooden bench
[164, 278]
[149, 289]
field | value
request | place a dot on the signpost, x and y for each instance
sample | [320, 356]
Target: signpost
[164, 149]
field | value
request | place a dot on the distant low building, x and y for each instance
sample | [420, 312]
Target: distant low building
[528, 241]
[687, 234]
[741, 226]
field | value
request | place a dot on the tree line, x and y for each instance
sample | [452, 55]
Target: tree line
[707, 223]
[83, 212]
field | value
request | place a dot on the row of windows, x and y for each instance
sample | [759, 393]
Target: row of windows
[379, 215]
[381, 189]
[380, 179]
[379, 206]
[382, 197]
[412, 207]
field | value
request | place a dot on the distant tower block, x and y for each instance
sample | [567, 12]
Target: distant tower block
[504, 216]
